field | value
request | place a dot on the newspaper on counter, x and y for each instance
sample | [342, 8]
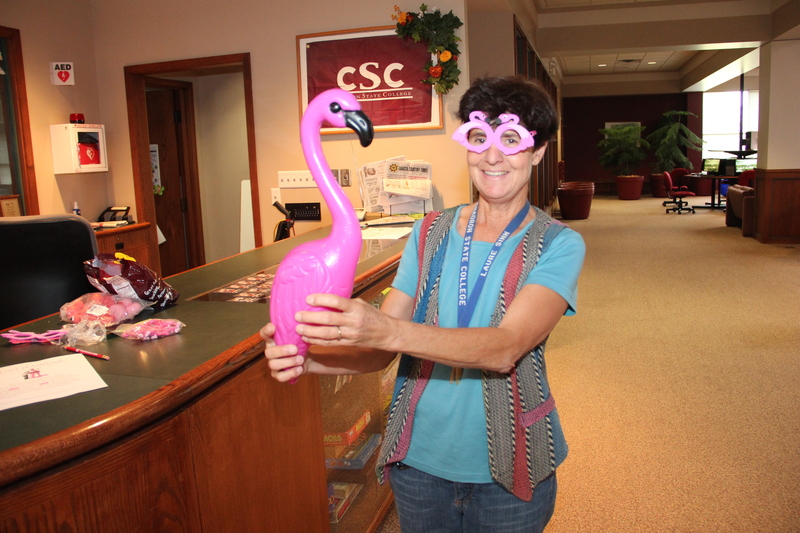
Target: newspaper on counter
[397, 186]
[371, 178]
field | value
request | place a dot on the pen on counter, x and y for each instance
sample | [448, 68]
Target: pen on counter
[84, 352]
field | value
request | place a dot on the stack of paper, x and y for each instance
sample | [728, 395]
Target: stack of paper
[397, 186]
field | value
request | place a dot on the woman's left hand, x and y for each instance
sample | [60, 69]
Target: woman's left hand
[352, 323]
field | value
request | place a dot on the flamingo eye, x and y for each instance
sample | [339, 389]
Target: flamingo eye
[335, 107]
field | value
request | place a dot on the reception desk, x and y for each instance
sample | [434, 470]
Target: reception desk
[191, 434]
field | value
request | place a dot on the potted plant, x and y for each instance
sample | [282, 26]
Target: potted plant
[670, 142]
[622, 151]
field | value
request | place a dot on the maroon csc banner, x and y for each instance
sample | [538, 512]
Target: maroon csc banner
[380, 69]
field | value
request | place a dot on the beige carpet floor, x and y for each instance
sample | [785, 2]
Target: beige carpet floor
[678, 381]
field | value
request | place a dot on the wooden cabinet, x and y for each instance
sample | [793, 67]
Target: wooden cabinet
[143, 483]
[245, 457]
[213, 444]
[257, 451]
[131, 240]
[345, 400]
[776, 214]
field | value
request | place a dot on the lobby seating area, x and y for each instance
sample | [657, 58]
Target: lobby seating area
[740, 209]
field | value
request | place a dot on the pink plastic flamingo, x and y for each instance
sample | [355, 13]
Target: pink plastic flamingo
[327, 265]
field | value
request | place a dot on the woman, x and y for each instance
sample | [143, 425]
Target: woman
[473, 438]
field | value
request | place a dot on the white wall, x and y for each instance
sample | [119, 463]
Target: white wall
[222, 159]
[51, 32]
[102, 37]
[491, 54]
[779, 127]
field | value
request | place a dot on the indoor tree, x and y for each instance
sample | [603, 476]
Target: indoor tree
[671, 140]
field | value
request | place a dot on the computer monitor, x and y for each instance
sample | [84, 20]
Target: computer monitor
[711, 166]
[745, 164]
[727, 167]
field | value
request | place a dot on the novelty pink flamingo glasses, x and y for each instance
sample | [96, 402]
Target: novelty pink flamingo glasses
[509, 137]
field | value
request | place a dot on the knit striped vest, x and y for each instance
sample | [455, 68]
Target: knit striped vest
[524, 449]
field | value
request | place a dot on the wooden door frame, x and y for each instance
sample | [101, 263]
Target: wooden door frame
[135, 80]
[191, 175]
[19, 104]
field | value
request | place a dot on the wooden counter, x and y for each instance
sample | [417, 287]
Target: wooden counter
[192, 434]
[132, 240]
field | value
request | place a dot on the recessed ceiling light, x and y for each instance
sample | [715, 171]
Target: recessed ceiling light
[651, 62]
[602, 65]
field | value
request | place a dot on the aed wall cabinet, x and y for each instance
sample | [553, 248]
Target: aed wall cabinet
[78, 148]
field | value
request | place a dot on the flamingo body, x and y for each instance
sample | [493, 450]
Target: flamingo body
[327, 265]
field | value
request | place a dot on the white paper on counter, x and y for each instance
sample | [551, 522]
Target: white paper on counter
[383, 232]
[48, 379]
[418, 188]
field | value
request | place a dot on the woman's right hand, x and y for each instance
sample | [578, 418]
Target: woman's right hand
[284, 362]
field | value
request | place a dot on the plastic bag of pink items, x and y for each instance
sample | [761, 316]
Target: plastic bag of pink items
[107, 309]
[153, 328]
[123, 275]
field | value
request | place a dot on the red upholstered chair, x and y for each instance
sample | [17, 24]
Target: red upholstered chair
[672, 186]
[678, 177]
[677, 196]
[747, 178]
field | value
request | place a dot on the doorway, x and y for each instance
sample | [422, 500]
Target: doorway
[150, 84]
[176, 189]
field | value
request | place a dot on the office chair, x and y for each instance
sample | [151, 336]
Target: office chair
[41, 267]
[746, 178]
[673, 185]
[678, 177]
[284, 227]
[677, 196]
[679, 182]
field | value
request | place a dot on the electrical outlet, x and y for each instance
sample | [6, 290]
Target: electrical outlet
[296, 179]
[276, 195]
[344, 177]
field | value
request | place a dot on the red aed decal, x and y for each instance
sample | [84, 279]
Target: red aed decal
[88, 154]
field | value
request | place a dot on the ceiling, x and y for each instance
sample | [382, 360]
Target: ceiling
[660, 61]
[669, 38]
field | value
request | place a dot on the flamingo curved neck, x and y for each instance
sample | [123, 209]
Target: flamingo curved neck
[344, 220]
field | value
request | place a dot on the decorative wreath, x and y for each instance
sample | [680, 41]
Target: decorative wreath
[439, 32]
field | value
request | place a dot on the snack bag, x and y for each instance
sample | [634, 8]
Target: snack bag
[122, 275]
[107, 309]
[84, 333]
[152, 328]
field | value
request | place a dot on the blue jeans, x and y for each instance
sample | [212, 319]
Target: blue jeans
[428, 504]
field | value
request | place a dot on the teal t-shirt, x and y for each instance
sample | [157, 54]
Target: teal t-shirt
[449, 434]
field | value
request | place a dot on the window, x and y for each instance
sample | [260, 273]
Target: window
[721, 111]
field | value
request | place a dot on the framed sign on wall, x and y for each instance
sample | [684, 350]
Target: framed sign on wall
[383, 71]
[9, 206]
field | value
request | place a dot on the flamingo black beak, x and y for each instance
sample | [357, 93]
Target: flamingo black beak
[360, 123]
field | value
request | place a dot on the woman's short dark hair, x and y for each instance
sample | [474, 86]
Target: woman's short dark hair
[513, 94]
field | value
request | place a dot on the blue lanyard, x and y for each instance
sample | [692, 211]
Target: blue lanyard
[467, 302]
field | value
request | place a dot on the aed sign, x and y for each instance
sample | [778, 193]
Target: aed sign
[382, 71]
[62, 74]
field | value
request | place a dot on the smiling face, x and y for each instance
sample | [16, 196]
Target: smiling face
[502, 178]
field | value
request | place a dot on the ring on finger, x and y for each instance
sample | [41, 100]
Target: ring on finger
[339, 330]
